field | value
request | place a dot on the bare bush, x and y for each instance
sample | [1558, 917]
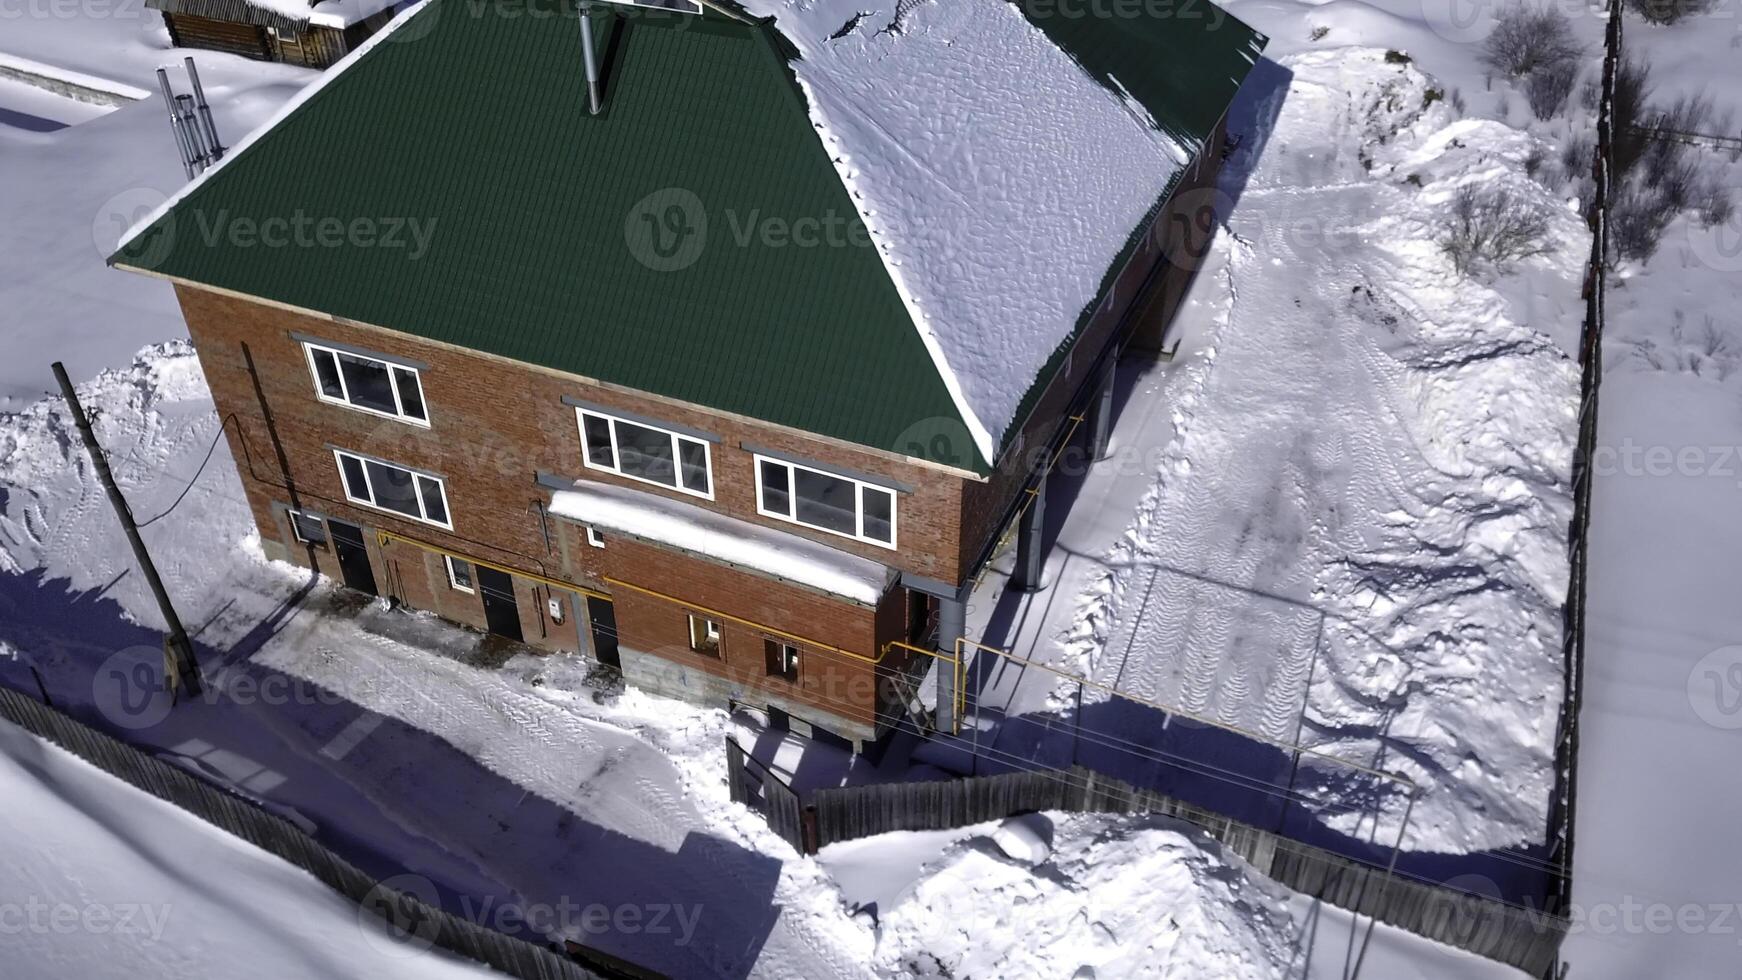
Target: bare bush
[1525, 40]
[1637, 220]
[1549, 87]
[1674, 177]
[1491, 227]
[1668, 11]
[1577, 154]
[1715, 203]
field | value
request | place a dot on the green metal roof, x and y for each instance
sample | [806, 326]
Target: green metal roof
[1183, 62]
[623, 247]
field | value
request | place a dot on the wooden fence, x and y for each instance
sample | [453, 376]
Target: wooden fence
[1527, 939]
[237, 816]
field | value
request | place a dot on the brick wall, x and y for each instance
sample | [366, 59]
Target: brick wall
[494, 427]
[495, 424]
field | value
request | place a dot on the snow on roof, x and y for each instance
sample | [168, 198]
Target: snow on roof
[343, 13]
[999, 180]
[726, 539]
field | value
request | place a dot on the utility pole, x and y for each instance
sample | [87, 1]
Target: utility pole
[180, 669]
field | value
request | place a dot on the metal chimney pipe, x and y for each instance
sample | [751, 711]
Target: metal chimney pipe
[181, 139]
[196, 137]
[591, 61]
[211, 127]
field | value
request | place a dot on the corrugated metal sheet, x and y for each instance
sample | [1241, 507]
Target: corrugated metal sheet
[1182, 60]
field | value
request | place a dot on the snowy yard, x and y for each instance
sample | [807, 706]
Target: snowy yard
[1337, 518]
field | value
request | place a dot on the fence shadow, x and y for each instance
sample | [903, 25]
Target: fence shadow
[388, 798]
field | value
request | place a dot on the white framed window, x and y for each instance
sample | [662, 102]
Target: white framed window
[782, 659]
[825, 501]
[644, 452]
[594, 538]
[459, 574]
[307, 528]
[704, 635]
[367, 384]
[385, 486]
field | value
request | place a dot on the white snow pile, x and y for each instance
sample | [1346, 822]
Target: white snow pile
[155, 419]
[998, 179]
[1116, 897]
[1364, 506]
[727, 539]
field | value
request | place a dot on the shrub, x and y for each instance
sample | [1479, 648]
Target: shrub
[1491, 227]
[1525, 40]
[1637, 220]
[1576, 156]
[1715, 204]
[1668, 11]
[1549, 87]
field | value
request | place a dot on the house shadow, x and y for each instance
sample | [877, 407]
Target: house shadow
[390, 798]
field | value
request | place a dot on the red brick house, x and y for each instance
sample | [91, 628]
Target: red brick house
[719, 342]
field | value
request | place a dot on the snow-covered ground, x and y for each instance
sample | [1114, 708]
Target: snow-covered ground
[1658, 876]
[1359, 466]
[100, 880]
[1350, 440]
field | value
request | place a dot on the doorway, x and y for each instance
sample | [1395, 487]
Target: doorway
[604, 619]
[501, 612]
[353, 556]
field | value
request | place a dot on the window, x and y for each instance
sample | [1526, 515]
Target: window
[384, 486]
[704, 636]
[782, 659]
[643, 452]
[367, 383]
[838, 504]
[307, 528]
[594, 538]
[459, 574]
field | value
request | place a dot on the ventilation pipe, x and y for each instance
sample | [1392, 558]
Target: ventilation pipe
[210, 127]
[181, 136]
[591, 61]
